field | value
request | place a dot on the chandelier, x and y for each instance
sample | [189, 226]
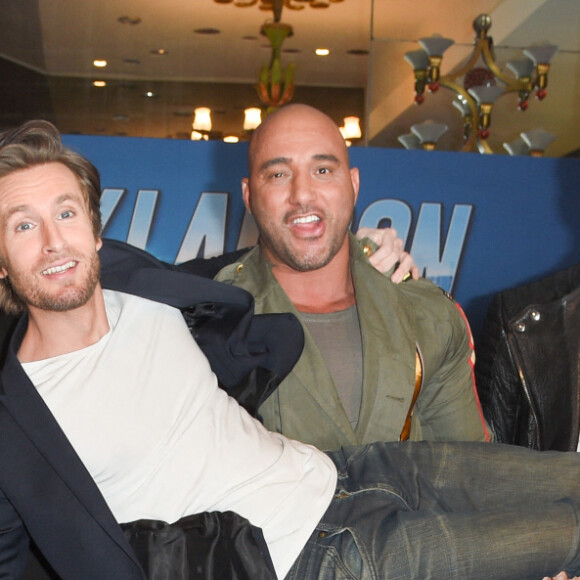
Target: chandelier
[275, 85]
[480, 81]
[275, 6]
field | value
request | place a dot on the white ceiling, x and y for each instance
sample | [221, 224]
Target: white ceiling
[60, 39]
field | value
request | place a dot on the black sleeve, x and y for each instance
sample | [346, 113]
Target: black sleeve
[209, 267]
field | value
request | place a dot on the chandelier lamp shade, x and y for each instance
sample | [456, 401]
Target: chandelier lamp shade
[428, 134]
[409, 141]
[252, 118]
[352, 128]
[480, 81]
[423, 136]
[532, 143]
[202, 120]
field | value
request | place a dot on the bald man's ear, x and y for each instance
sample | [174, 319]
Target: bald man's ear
[246, 193]
[355, 179]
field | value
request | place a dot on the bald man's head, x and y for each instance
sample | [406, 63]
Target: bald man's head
[301, 189]
[283, 118]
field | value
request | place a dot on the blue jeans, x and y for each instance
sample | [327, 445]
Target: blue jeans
[447, 510]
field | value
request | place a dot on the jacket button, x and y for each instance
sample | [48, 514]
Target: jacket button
[367, 250]
[520, 327]
[535, 315]
[322, 534]
[239, 268]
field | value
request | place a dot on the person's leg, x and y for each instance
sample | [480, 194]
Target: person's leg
[461, 475]
[420, 510]
[507, 545]
[483, 475]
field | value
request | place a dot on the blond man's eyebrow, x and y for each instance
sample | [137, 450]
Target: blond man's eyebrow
[68, 197]
[24, 208]
[12, 211]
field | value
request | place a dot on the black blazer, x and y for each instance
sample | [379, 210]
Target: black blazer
[45, 491]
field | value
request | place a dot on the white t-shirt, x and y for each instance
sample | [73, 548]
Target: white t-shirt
[143, 410]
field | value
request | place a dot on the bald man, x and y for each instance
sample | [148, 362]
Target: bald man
[381, 362]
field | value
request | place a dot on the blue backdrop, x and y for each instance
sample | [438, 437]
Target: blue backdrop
[474, 224]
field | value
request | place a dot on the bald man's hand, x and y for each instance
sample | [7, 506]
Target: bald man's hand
[389, 253]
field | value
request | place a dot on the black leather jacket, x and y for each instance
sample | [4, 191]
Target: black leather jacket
[528, 359]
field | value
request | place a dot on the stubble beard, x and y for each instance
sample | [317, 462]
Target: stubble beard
[306, 261]
[69, 298]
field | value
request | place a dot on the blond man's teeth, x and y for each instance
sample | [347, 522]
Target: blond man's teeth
[306, 219]
[59, 269]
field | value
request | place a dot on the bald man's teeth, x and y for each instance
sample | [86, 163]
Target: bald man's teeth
[306, 219]
[59, 269]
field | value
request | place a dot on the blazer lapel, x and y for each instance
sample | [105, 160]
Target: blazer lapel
[389, 347]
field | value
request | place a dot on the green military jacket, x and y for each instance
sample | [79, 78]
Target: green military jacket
[397, 323]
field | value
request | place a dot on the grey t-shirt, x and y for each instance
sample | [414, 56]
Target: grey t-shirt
[337, 336]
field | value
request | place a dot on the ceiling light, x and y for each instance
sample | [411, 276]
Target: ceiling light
[231, 139]
[100, 63]
[252, 118]
[322, 52]
[150, 94]
[159, 52]
[352, 128]
[99, 84]
[202, 119]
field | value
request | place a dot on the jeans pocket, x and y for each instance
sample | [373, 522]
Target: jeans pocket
[331, 553]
